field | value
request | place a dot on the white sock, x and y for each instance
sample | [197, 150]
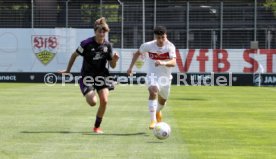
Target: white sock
[160, 107]
[152, 109]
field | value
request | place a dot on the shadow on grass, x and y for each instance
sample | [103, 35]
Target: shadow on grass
[84, 133]
[155, 142]
[118, 134]
[188, 99]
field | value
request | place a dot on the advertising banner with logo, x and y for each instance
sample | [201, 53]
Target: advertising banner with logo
[39, 50]
[211, 60]
[48, 50]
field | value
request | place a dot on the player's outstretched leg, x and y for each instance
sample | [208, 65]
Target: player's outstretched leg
[103, 96]
[153, 91]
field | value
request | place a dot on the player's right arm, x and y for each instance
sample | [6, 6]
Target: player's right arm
[143, 49]
[70, 63]
[133, 61]
[79, 51]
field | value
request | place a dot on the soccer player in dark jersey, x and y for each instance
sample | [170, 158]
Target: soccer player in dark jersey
[96, 53]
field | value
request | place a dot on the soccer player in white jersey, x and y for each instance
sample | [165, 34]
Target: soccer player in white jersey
[161, 57]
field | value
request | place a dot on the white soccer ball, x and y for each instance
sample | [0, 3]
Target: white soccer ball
[162, 130]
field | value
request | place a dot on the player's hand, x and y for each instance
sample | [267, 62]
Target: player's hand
[160, 63]
[116, 56]
[63, 71]
[129, 71]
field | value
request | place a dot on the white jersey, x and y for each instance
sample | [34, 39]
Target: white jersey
[154, 53]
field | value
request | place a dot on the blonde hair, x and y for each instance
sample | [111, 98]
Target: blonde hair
[101, 24]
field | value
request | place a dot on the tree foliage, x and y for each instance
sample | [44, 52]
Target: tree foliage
[271, 4]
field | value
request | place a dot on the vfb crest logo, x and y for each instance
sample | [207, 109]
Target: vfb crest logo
[45, 47]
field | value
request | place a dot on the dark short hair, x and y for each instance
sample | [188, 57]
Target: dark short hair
[160, 30]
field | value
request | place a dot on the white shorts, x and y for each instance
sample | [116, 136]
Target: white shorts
[163, 85]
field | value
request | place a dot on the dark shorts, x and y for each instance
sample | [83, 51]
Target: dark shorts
[87, 87]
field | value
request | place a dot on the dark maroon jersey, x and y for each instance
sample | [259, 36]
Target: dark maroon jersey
[95, 56]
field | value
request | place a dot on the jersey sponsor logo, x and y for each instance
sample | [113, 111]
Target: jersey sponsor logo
[97, 56]
[105, 49]
[159, 56]
[45, 47]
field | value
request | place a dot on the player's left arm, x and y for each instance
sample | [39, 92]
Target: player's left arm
[114, 60]
[112, 57]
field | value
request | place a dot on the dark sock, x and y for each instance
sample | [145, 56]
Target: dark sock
[98, 122]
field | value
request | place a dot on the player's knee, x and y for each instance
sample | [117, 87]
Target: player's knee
[153, 92]
[153, 89]
[91, 103]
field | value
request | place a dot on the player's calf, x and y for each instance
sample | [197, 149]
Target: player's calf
[158, 116]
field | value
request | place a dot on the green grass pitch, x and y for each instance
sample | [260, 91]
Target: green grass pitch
[42, 122]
